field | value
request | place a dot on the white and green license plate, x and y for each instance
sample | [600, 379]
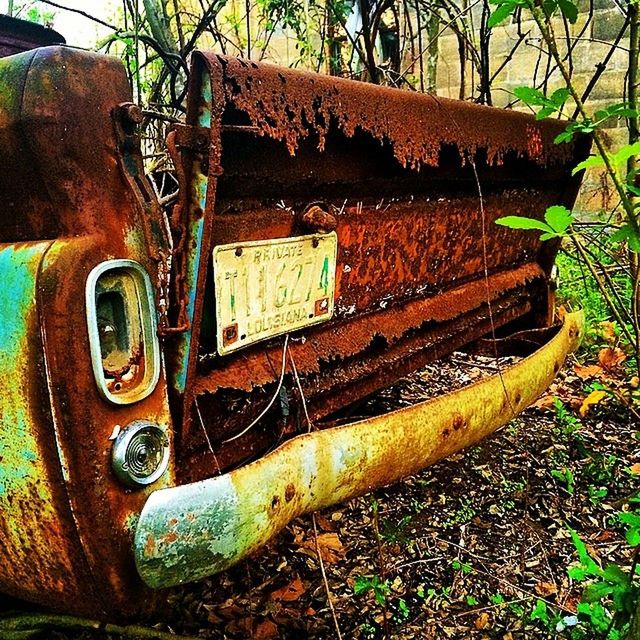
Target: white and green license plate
[271, 287]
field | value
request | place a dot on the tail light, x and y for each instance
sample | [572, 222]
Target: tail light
[140, 453]
[121, 318]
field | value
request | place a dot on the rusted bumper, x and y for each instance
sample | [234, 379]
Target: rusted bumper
[192, 531]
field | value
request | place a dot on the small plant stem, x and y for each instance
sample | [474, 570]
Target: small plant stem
[602, 286]
[383, 568]
[634, 629]
[633, 17]
[621, 306]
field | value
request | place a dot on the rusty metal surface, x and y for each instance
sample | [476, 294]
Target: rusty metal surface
[398, 176]
[290, 105]
[189, 532]
[35, 517]
[413, 280]
[20, 35]
[69, 178]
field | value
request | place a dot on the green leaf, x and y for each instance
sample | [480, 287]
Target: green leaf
[596, 591]
[631, 188]
[569, 10]
[559, 96]
[500, 14]
[558, 218]
[620, 110]
[621, 156]
[614, 574]
[632, 519]
[633, 537]
[565, 136]
[634, 241]
[577, 573]
[625, 232]
[590, 162]
[626, 113]
[588, 564]
[361, 584]
[530, 96]
[545, 112]
[540, 611]
[621, 234]
[521, 222]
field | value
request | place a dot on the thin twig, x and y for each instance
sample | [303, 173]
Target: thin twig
[324, 577]
[80, 12]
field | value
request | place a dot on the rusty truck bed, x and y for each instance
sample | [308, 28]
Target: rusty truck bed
[239, 432]
[414, 183]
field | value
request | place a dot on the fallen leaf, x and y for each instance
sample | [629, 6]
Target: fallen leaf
[604, 536]
[289, 592]
[546, 402]
[240, 626]
[587, 371]
[266, 630]
[330, 546]
[594, 398]
[324, 524]
[545, 588]
[482, 620]
[635, 469]
[611, 358]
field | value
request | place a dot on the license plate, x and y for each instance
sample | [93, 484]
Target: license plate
[271, 287]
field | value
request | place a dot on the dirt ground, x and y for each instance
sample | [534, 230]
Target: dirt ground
[474, 547]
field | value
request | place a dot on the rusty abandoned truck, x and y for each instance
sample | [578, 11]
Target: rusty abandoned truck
[171, 379]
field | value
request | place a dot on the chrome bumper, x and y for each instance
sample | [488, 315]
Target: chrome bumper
[192, 531]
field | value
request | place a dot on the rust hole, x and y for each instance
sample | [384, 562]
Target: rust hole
[290, 492]
[275, 502]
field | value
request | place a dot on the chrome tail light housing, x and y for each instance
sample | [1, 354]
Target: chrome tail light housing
[121, 319]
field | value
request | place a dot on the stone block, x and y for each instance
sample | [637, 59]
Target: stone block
[606, 25]
[610, 86]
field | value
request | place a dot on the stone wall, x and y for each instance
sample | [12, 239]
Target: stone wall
[528, 67]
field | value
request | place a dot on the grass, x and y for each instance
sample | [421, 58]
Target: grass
[578, 288]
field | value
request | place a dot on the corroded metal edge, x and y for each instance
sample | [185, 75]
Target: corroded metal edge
[291, 105]
[188, 532]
